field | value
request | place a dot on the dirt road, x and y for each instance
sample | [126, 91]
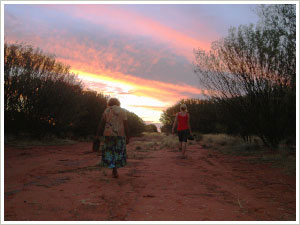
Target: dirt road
[64, 183]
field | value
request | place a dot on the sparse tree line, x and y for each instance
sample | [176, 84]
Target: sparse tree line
[42, 97]
[251, 75]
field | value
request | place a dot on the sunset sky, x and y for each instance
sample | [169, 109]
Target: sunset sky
[139, 53]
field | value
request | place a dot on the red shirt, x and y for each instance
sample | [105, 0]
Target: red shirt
[182, 122]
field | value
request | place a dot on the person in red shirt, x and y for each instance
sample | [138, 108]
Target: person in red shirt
[182, 120]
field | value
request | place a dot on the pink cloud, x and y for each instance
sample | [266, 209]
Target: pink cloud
[134, 24]
[162, 91]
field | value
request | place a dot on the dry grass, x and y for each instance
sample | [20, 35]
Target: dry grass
[221, 140]
[169, 142]
[283, 158]
[157, 141]
[154, 142]
[28, 143]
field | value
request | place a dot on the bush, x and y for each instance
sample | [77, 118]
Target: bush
[136, 125]
[151, 128]
[42, 97]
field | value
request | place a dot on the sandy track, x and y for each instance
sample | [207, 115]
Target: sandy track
[64, 183]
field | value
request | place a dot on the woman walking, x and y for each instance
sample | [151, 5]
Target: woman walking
[114, 128]
[182, 120]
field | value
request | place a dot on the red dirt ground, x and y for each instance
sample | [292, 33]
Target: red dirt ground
[64, 183]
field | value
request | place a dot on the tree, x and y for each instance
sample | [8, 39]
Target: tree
[92, 105]
[281, 21]
[135, 124]
[252, 71]
[150, 128]
[42, 96]
[38, 91]
[203, 116]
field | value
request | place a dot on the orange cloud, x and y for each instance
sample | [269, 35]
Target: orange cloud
[167, 92]
[108, 64]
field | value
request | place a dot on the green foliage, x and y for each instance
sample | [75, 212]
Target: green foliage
[136, 125]
[150, 128]
[203, 117]
[40, 94]
[93, 105]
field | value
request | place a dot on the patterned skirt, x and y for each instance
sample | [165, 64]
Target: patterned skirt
[114, 152]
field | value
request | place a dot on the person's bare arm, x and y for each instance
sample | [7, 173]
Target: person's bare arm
[126, 131]
[174, 124]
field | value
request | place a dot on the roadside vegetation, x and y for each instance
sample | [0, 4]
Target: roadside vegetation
[250, 79]
[28, 142]
[255, 152]
[44, 100]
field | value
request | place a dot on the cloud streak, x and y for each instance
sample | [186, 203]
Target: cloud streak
[166, 92]
[135, 24]
[140, 53]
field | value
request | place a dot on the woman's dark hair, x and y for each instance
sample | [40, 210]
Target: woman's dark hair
[113, 101]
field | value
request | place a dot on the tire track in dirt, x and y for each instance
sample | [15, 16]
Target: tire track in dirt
[65, 183]
[203, 187]
[177, 190]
